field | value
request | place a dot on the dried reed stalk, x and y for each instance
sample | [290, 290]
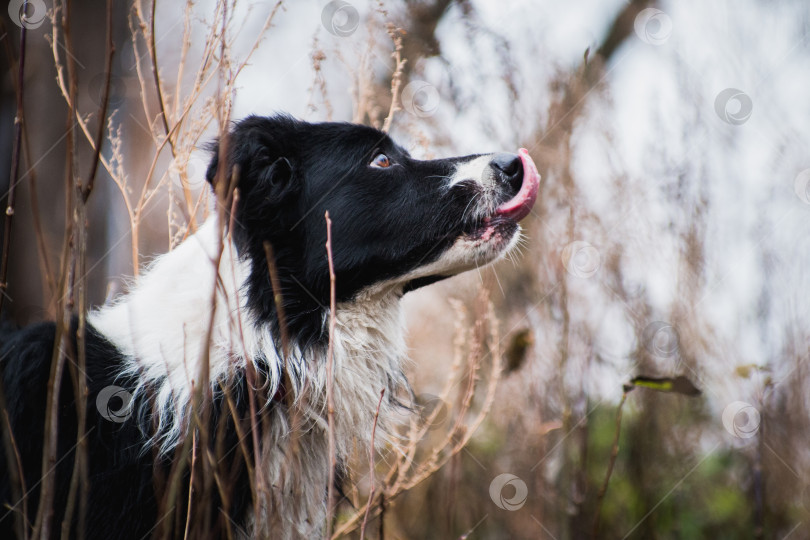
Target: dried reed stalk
[406, 472]
[614, 452]
[330, 382]
[371, 452]
[9, 445]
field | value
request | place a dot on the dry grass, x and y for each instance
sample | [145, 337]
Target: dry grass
[550, 417]
[180, 115]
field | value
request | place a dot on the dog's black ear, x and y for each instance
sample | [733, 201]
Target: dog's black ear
[211, 171]
[266, 169]
[278, 174]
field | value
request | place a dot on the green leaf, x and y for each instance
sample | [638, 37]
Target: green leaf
[676, 385]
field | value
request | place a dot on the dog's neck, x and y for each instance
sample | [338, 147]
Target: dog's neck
[162, 327]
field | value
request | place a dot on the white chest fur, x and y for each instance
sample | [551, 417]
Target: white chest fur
[162, 327]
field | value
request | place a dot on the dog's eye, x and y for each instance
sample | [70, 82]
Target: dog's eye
[381, 161]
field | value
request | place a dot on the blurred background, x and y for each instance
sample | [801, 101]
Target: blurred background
[667, 246]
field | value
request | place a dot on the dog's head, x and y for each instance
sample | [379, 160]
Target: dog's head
[397, 222]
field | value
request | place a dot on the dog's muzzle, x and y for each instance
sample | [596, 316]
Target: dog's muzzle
[518, 175]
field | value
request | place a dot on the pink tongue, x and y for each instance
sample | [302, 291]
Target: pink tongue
[519, 206]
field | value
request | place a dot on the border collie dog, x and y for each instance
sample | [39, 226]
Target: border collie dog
[398, 223]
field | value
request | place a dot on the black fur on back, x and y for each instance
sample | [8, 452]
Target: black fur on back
[126, 481]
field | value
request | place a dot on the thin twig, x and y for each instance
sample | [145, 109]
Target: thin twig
[50, 283]
[241, 435]
[396, 78]
[371, 467]
[17, 477]
[17, 480]
[381, 533]
[102, 116]
[278, 299]
[15, 162]
[79, 485]
[405, 473]
[600, 498]
[190, 483]
[33, 195]
[63, 347]
[759, 484]
[330, 397]
[156, 76]
[257, 483]
[181, 64]
[252, 380]
[224, 191]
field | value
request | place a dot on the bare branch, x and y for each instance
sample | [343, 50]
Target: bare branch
[102, 115]
[600, 498]
[330, 382]
[15, 165]
[156, 76]
[17, 480]
[371, 467]
[396, 78]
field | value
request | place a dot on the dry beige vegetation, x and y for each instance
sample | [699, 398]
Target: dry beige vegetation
[515, 354]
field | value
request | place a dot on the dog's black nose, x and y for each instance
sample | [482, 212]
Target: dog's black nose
[508, 170]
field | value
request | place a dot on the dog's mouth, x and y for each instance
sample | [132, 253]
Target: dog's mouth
[485, 239]
[501, 225]
[519, 206]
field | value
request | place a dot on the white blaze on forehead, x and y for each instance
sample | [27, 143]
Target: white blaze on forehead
[477, 170]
